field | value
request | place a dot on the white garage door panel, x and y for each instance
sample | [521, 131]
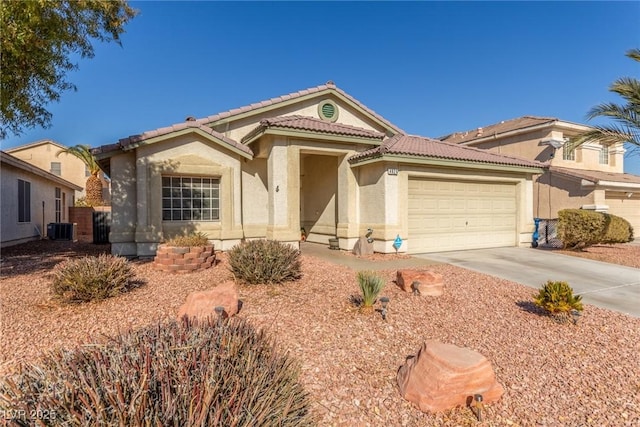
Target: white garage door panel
[626, 207]
[454, 215]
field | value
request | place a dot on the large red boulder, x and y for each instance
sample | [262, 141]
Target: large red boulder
[443, 376]
[430, 283]
[203, 304]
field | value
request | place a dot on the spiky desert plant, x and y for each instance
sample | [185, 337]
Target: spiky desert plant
[265, 261]
[557, 298]
[92, 278]
[180, 373]
[370, 286]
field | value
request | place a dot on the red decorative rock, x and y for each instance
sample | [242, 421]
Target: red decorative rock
[443, 376]
[430, 282]
[202, 304]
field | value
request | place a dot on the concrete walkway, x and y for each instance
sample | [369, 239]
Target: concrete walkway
[339, 257]
[606, 285]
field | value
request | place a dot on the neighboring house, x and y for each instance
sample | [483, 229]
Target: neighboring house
[44, 154]
[31, 198]
[589, 176]
[315, 161]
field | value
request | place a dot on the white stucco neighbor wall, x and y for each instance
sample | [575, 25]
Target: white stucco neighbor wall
[124, 204]
[42, 190]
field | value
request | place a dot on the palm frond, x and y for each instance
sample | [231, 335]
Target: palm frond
[629, 89]
[634, 54]
[82, 152]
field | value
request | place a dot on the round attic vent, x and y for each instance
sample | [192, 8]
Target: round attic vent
[328, 110]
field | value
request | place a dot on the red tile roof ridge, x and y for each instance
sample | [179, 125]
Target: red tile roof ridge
[429, 147]
[597, 175]
[467, 135]
[133, 139]
[301, 122]
[327, 86]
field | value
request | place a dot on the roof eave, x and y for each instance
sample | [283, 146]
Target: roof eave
[21, 164]
[437, 161]
[294, 100]
[312, 135]
[175, 134]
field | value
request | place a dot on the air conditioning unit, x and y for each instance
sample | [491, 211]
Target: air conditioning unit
[61, 231]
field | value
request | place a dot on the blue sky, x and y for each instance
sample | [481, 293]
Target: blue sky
[431, 68]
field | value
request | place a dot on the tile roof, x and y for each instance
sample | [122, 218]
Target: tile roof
[497, 128]
[314, 125]
[598, 176]
[329, 86]
[124, 143]
[419, 146]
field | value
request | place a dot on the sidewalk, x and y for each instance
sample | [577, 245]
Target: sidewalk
[339, 257]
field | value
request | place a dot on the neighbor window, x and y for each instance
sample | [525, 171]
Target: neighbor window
[87, 172]
[56, 168]
[24, 201]
[58, 204]
[569, 151]
[604, 155]
[190, 198]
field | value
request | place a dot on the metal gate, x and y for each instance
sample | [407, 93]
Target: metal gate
[548, 233]
[101, 227]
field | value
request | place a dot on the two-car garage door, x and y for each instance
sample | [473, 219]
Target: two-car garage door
[446, 215]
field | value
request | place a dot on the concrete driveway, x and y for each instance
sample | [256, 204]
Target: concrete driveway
[606, 285]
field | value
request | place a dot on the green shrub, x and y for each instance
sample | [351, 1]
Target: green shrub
[578, 228]
[190, 240]
[181, 373]
[265, 261]
[557, 298]
[92, 278]
[370, 286]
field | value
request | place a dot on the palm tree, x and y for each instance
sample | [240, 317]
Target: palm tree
[626, 118]
[93, 186]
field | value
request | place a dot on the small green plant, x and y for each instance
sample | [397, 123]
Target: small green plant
[265, 261]
[190, 240]
[180, 373]
[92, 278]
[370, 286]
[557, 298]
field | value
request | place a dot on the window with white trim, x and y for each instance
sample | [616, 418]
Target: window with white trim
[188, 198]
[569, 151]
[56, 168]
[24, 201]
[604, 154]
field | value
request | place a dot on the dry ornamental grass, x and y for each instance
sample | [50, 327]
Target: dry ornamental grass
[553, 374]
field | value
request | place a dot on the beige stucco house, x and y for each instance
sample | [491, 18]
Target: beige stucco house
[587, 176]
[316, 162]
[44, 155]
[31, 198]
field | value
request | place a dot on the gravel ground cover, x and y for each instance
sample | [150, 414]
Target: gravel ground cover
[554, 374]
[622, 254]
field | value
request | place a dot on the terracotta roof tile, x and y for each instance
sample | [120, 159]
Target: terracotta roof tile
[597, 176]
[124, 143]
[312, 124]
[325, 87]
[497, 128]
[419, 146]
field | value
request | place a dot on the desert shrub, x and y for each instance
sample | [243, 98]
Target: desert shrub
[92, 278]
[181, 373]
[190, 240]
[578, 228]
[557, 298]
[265, 261]
[370, 286]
